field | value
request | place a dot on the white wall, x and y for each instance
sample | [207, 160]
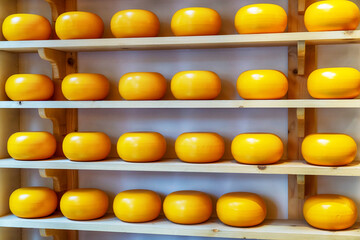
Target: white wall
[228, 63]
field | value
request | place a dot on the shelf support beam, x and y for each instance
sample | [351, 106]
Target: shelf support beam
[58, 234]
[301, 7]
[57, 59]
[301, 50]
[57, 8]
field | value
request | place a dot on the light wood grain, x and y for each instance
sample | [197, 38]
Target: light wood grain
[301, 62]
[270, 229]
[290, 103]
[218, 41]
[174, 165]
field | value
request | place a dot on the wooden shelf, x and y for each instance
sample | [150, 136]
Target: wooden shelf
[270, 229]
[284, 103]
[218, 41]
[175, 165]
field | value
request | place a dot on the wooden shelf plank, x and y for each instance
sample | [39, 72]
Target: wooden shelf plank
[218, 41]
[270, 229]
[283, 103]
[174, 165]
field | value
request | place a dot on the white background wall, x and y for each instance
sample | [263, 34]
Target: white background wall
[228, 64]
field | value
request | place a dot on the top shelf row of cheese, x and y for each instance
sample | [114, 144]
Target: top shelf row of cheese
[329, 15]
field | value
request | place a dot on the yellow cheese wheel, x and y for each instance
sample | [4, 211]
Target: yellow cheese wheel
[141, 146]
[187, 207]
[142, 86]
[199, 147]
[23, 26]
[79, 25]
[329, 149]
[196, 21]
[262, 84]
[84, 204]
[31, 145]
[196, 85]
[342, 82]
[241, 209]
[135, 23]
[29, 87]
[85, 86]
[33, 202]
[330, 211]
[261, 18]
[332, 15]
[257, 148]
[137, 205]
[86, 146]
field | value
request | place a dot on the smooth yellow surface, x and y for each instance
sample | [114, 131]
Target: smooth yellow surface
[332, 15]
[241, 209]
[196, 21]
[142, 86]
[330, 211]
[79, 25]
[261, 18]
[31, 145]
[262, 84]
[23, 26]
[329, 149]
[33, 202]
[135, 23]
[29, 87]
[327, 83]
[141, 146]
[257, 148]
[85, 86]
[86, 146]
[84, 204]
[199, 147]
[196, 85]
[187, 207]
[137, 205]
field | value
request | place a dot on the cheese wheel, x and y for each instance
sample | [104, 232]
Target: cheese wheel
[86, 146]
[332, 15]
[241, 209]
[31, 145]
[134, 23]
[29, 87]
[334, 83]
[137, 205]
[142, 86]
[23, 26]
[85, 86]
[330, 212]
[196, 21]
[329, 149]
[257, 148]
[195, 85]
[187, 207]
[33, 202]
[199, 147]
[79, 25]
[262, 84]
[84, 204]
[141, 146]
[261, 18]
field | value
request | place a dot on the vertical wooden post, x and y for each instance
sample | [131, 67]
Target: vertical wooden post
[301, 62]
